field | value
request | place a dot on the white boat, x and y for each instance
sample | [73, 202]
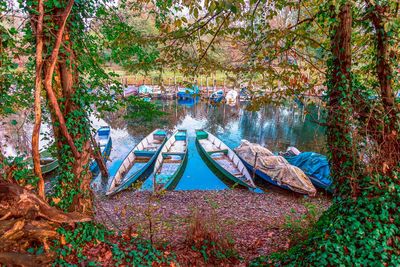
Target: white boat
[231, 97]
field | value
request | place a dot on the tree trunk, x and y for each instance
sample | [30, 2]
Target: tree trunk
[37, 107]
[388, 140]
[339, 132]
[383, 69]
[48, 79]
[66, 86]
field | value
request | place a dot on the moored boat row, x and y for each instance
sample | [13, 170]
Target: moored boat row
[292, 170]
[170, 156]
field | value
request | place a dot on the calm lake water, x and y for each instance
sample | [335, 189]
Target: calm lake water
[276, 127]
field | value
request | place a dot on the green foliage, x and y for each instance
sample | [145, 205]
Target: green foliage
[214, 250]
[138, 109]
[300, 224]
[124, 250]
[21, 170]
[352, 232]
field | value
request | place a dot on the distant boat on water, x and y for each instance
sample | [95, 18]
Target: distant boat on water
[217, 96]
[231, 97]
[187, 92]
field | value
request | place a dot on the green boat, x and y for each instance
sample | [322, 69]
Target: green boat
[171, 161]
[47, 162]
[224, 159]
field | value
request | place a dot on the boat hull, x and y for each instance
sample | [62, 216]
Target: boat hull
[172, 183]
[224, 172]
[263, 175]
[134, 178]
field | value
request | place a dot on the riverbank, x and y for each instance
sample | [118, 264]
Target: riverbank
[242, 224]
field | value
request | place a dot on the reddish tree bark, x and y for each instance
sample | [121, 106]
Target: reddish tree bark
[383, 68]
[48, 79]
[37, 107]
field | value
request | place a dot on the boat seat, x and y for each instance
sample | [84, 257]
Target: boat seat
[172, 160]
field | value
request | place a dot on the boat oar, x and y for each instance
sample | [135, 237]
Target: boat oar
[99, 158]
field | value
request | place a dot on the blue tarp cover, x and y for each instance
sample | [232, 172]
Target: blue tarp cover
[314, 165]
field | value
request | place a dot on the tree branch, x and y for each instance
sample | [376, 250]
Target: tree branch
[48, 80]
[37, 107]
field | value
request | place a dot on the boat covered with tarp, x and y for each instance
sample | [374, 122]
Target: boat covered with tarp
[138, 160]
[274, 169]
[188, 92]
[171, 161]
[314, 165]
[217, 96]
[224, 159]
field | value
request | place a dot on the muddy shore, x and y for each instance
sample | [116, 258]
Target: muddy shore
[257, 224]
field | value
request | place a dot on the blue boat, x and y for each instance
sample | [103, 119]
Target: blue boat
[217, 96]
[315, 166]
[186, 92]
[274, 169]
[244, 94]
[138, 160]
[144, 90]
[189, 102]
[103, 138]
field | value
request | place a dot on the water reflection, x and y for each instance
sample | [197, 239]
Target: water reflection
[276, 127]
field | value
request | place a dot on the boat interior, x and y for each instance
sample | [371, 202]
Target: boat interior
[139, 157]
[172, 158]
[102, 136]
[219, 152]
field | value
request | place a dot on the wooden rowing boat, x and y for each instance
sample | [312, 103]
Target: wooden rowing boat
[223, 158]
[171, 161]
[47, 162]
[274, 169]
[103, 139]
[139, 159]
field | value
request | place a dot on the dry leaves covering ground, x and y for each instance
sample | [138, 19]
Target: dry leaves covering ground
[256, 224]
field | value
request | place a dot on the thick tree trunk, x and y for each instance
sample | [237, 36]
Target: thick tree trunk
[66, 85]
[339, 132]
[37, 107]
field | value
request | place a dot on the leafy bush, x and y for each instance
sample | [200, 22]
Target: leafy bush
[352, 232]
[93, 245]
